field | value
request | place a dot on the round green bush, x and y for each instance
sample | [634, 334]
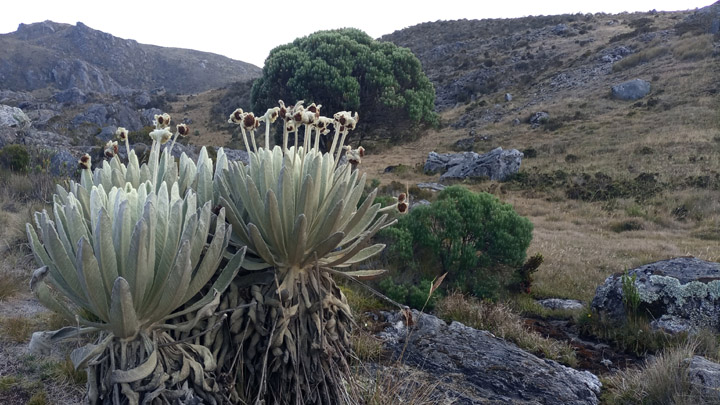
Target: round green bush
[474, 237]
[346, 69]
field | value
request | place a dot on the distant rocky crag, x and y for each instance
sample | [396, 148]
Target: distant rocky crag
[64, 56]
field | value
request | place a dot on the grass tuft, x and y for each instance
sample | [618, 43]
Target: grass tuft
[500, 320]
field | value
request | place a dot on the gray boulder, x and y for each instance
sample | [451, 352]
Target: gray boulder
[63, 163]
[236, 154]
[103, 115]
[431, 186]
[704, 376]
[13, 117]
[631, 90]
[557, 303]
[538, 118]
[497, 164]
[465, 144]
[489, 369]
[72, 96]
[683, 293]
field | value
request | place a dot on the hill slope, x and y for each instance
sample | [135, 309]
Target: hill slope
[64, 56]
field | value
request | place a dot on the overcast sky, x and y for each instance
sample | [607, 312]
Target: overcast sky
[248, 30]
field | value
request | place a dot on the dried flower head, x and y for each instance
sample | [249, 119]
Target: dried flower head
[236, 117]
[282, 111]
[121, 133]
[111, 149]
[308, 117]
[361, 151]
[162, 121]
[183, 130]
[249, 122]
[161, 135]
[402, 207]
[346, 120]
[323, 124]
[315, 109]
[272, 114]
[401, 197]
[85, 162]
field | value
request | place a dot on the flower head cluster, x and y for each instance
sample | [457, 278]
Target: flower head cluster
[162, 120]
[297, 116]
[122, 134]
[85, 162]
[111, 149]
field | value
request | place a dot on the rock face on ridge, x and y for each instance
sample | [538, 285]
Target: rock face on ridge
[497, 164]
[76, 56]
[681, 294]
[489, 369]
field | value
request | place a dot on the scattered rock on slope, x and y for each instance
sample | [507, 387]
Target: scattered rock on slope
[680, 294]
[631, 90]
[497, 164]
[488, 368]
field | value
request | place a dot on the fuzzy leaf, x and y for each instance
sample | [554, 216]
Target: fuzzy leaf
[123, 320]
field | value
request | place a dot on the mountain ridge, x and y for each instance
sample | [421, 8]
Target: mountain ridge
[63, 56]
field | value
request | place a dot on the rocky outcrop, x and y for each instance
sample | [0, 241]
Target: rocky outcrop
[104, 115]
[680, 294]
[704, 376]
[631, 90]
[13, 117]
[76, 56]
[558, 303]
[497, 164]
[538, 118]
[489, 369]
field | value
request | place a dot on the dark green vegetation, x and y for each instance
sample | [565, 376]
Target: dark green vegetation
[345, 69]
[15, 158]
[473, 237]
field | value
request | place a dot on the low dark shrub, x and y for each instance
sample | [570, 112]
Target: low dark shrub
[15, 157]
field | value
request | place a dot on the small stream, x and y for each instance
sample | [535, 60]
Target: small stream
[594, 356]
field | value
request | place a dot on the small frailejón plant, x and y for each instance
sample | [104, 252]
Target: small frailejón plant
[296, 209]
[124, 259]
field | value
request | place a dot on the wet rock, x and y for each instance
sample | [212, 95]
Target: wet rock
[497, 164]
[557, 303]
[489, 369]
[685, 288]
[631, 90]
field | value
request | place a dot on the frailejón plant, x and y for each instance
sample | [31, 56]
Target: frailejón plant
[296, 210]
[132, 266]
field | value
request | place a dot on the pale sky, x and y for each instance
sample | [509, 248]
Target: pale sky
[248, 30]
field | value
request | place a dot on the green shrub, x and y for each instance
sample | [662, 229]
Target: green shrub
[412, 295]
[473, 237]
[347, 70]
[15, 157]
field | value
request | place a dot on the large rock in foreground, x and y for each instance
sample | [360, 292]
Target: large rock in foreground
[498, 164]
[680, 294]
[489, 369]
